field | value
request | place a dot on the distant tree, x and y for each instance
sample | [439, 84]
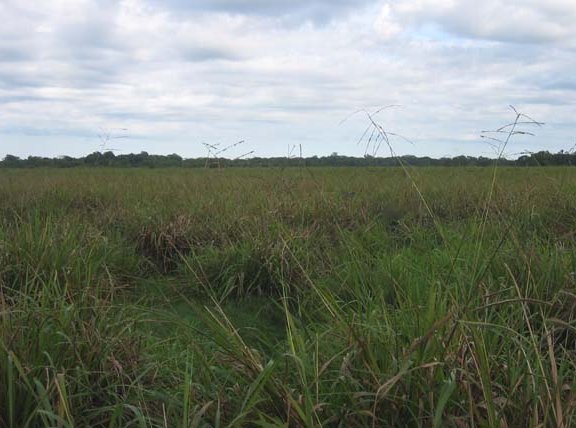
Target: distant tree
[144, 159]
[34, 161]
[11, 161]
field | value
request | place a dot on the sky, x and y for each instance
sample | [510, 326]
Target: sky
[167, 76]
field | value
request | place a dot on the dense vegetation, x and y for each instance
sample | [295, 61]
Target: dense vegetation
[143, 159]
[287, 297]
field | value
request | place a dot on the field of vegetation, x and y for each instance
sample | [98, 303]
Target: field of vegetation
[342, 297]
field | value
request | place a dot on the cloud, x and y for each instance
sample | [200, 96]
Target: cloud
[294, 12]
[277, 73]
[518, 21]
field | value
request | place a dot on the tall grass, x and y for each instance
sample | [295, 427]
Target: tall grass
[287, 298]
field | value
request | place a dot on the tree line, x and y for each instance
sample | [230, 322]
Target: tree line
[143, 159]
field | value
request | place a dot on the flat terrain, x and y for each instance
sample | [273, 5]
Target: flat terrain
[344, 297]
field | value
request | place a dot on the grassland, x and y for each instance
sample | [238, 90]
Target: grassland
[344, 297]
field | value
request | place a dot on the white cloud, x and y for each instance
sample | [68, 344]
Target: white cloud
[176, 75]
[521, 21]
[386, 25]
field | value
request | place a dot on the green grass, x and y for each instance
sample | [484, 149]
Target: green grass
[268, 297]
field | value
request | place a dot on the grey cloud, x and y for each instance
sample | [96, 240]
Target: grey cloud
[15, 54]
[15, 80]
[202, 53]
[293, 11]
[37, 131]
[563, 83]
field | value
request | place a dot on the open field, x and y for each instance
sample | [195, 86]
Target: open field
[344, 297]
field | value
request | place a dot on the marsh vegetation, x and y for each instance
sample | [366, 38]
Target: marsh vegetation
[287, 297]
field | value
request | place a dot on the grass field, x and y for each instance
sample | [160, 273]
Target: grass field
[346, 297]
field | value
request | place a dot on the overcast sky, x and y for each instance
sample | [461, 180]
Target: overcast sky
[169, 75]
